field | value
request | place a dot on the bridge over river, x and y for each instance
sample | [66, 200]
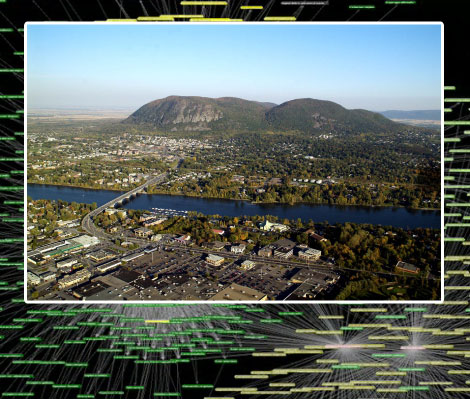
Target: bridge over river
[87, 222]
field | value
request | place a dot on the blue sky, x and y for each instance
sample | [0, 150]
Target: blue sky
[376, 67]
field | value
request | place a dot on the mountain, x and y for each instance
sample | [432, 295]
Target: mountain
[307, 115]
[311, 115]
[425, 115]
[201, 114]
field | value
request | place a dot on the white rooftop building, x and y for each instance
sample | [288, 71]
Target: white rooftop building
[85, 240]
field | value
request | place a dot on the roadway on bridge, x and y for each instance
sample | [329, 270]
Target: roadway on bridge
[87, 222]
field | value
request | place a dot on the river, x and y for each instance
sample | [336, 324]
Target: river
[386, 216]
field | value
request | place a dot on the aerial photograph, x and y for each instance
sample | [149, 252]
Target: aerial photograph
[233, 162]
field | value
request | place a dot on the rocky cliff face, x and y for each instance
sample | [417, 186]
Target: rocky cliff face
[201, 113]
[177, 111]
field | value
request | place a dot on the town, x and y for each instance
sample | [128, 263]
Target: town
[172, 255]
[269, 169]
[172, 267]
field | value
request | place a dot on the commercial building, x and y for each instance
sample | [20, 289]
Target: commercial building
[131, 257]
[236, 292]
[100, 255]
[70, 247]
[48, 247]
[310, 254]
[108, 266]
[214, 260]
[74, 279]
[68, 262]
[248, 265]
[66, 246]
[85, 241]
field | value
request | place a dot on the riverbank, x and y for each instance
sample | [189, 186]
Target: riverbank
[159, 192]
[386, 216]
[83, 187]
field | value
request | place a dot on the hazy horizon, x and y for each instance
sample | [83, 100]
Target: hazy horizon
[134, 108]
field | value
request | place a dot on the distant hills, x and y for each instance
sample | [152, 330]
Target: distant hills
[426, 115]
[181, 113]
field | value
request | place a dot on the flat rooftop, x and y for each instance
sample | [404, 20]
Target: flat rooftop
[236, 292]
